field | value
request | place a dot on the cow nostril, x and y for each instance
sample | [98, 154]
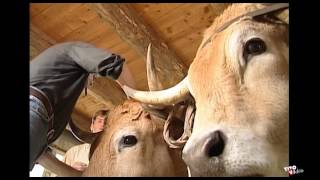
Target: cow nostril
[215, 145]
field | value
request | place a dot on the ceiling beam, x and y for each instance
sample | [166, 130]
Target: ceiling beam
[132, 29]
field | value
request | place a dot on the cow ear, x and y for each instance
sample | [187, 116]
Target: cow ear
[95, 143]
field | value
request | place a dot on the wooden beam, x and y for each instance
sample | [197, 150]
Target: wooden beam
[132, 29]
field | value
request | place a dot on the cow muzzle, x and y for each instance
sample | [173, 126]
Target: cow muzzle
[209, 147]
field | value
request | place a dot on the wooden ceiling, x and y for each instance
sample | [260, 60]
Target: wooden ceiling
[176, 28]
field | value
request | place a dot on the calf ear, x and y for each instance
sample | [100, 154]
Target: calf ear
[95, 143]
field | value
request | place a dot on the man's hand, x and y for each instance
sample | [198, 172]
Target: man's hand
[111, 67]
[80, 166]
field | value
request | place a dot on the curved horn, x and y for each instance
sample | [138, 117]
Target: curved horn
[153, 80]
[284, 15]
[164, 97]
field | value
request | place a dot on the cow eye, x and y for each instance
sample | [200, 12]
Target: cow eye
[254, 46]
[129, 140]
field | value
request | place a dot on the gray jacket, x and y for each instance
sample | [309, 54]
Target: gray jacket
[62, 70]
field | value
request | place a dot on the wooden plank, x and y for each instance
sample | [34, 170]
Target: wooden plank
[191, 42]
[83, 24]
[192, 17]
[79, 17]
[52, 18]
[39, 41]
[38, 8]
[85, 33]
[132, 29]
[156, 10]
[184, 25]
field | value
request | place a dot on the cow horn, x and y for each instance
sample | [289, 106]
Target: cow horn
[168, 96]
[284, 15]
[153, 80]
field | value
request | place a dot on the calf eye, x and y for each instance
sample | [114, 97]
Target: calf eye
[129, 140]
[253, 47]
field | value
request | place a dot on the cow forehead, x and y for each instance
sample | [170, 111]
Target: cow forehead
[131, 113]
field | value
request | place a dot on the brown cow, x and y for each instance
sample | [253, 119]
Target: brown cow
[239, 80]
[132, 144]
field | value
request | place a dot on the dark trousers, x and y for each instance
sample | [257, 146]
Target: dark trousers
[38, 130]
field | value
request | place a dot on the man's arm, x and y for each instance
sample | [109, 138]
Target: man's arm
[53, 164]
[96, 60]
[80, 166]
[71, 160]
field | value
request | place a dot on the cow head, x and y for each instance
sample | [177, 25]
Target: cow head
[132, 145]
[239, 80]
